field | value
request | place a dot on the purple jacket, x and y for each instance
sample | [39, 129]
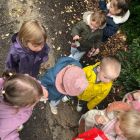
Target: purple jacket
[23, 60]
[11, 119]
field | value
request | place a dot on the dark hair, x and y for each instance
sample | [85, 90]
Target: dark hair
[123, 5]
[21, 90]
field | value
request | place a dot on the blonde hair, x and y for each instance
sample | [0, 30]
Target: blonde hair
[32, 31]
[111, 64]
[20, 90]
[130, 124]
[99, 17]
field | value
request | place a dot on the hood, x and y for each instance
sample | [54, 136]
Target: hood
[16, 45]
[50, 75]
[86, 17]
[119, 19]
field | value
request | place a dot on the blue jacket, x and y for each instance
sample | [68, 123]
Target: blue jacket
[111, 27]
[48, 79]
[23, 60]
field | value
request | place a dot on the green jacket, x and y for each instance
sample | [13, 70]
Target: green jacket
[89, 39]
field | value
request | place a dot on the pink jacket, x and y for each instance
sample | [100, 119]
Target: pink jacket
[11, 119]
[108, 129]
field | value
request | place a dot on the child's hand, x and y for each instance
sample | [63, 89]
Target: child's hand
[96, 52]
[100, 119]
[76, 37]
[44, 98]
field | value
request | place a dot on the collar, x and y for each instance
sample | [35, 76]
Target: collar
[119, 19]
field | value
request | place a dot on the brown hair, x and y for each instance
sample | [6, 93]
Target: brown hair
[99, 17]
[21, 90]
[123, 5]
[130, 124]
[32, 31]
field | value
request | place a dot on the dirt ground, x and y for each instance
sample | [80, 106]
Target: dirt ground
[58, 16]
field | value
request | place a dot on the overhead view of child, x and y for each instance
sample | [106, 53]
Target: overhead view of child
[65, 78]
[117, 14]
[100, 78]
[88, 34]
[18, 96]
[28, 49]
[125, 126]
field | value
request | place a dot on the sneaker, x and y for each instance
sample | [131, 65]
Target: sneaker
[53, 109]
[79, 107]
[65, 99]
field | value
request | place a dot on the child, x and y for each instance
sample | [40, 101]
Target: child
[130, 101]
[29, 49]
[88, 33]
[117, 14]
[18, 96]
[65, 78]
[125, 126]
[100, 77]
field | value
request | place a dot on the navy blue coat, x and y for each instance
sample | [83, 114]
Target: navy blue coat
[48, 79]
[111, 27]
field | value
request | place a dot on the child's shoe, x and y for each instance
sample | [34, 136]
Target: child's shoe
[65, 99]
[53, 109]
[79, 107]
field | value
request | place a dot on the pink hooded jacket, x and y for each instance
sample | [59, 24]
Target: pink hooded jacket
[11, 118]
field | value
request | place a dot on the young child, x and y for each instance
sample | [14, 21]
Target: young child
[28, 49]
[130, 101]
[65, 78]
[100, 77]
[117, 14]
[88, 33]
[125, 126]
[18, 96]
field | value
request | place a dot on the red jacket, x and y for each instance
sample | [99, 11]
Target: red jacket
[92, 134]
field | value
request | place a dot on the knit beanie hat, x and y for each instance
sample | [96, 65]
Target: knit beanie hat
[71, 80]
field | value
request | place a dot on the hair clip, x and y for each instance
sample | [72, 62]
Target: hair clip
[3, 92]
[10, 74]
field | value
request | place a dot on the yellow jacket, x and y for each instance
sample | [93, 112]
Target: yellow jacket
[95, 92]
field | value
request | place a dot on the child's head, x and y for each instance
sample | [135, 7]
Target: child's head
[21, 90]
[108, 70]
[32, 35]
[136, 95]
[128, 125]
[98, 20]
[118, 7]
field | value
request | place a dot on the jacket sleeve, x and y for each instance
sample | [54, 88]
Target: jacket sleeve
[77, 29]
[12, 61]
[46, 52]
[110, 29]
[98, 39]
[14, 135]
[97, 99]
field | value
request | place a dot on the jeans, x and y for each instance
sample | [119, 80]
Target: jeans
[76, 54]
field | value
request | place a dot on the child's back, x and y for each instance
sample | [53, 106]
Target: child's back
[18, 96]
